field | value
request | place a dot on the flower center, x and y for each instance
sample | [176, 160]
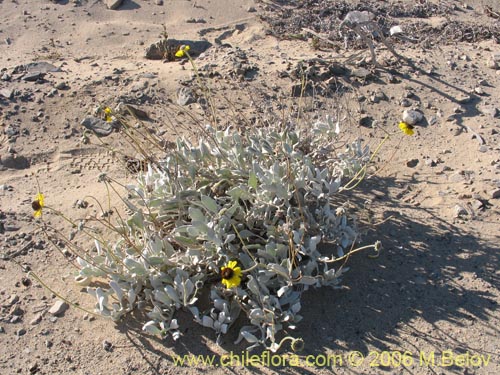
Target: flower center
[226, 273]
[36, 205]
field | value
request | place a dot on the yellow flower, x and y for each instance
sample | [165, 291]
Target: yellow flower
[406, 128]
[107, 114]
[38, 205]
[182, 51]
[231, 274]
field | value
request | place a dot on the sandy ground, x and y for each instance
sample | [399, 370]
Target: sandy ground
[434, 202]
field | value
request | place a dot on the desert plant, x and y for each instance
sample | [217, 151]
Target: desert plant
[237, 218]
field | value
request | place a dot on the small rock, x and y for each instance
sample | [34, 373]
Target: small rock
[20, 332]
[490, 63]
[62, 86]
[13, 299]
[251, 10]
[58, 308]
[34, 369]
[477, 204]
[98, 126]
[36, 319]
[459, 210]
[412, 117]
[405, 103]
[412, 163]
[366, 121]
[159, 2]
[464, 99]
[430, 162]
[185, 96]
[483, 148]
[495, 194]
[33, 77]
[479, 90]
[113, 4]
[361, 73]
[6, 93]
[106, 345]
[2, 330]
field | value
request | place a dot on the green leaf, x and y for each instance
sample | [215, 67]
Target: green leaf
[252, 181]
[210, 204]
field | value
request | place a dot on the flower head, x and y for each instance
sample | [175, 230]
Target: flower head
[406, 128]
[231, 274]
[38, 205]
[107, 114]
[182, 51]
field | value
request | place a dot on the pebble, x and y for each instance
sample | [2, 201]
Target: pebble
[62, 86]
[185, 96]
[36, 319]
[106, 345]
[20, 332]
[477, 204]
[98, 126]
[13, 299]
[6, 93]
[159, 2]
[405, 103]
[459, 210]
[113, 4]
[412, 117]
[33, 77]
[58, 308]
[479, 90]
[412, 163]
[495, 194]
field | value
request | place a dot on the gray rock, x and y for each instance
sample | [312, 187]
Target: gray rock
[41, 67]
[412, 163]
[460, 211]
[98, 126]
[412, 117]
[6, 93]
[58, 308]
[14, 161]
[477, 204]
[62, 86]
[159, 2]
[113, 4]
[6, 77]
[405, 103]
[33, 77]
[36, 319]
[20, 332]
[13, 299]
[361, 73]
[106, 345]
[495, 194]
[185, 96]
